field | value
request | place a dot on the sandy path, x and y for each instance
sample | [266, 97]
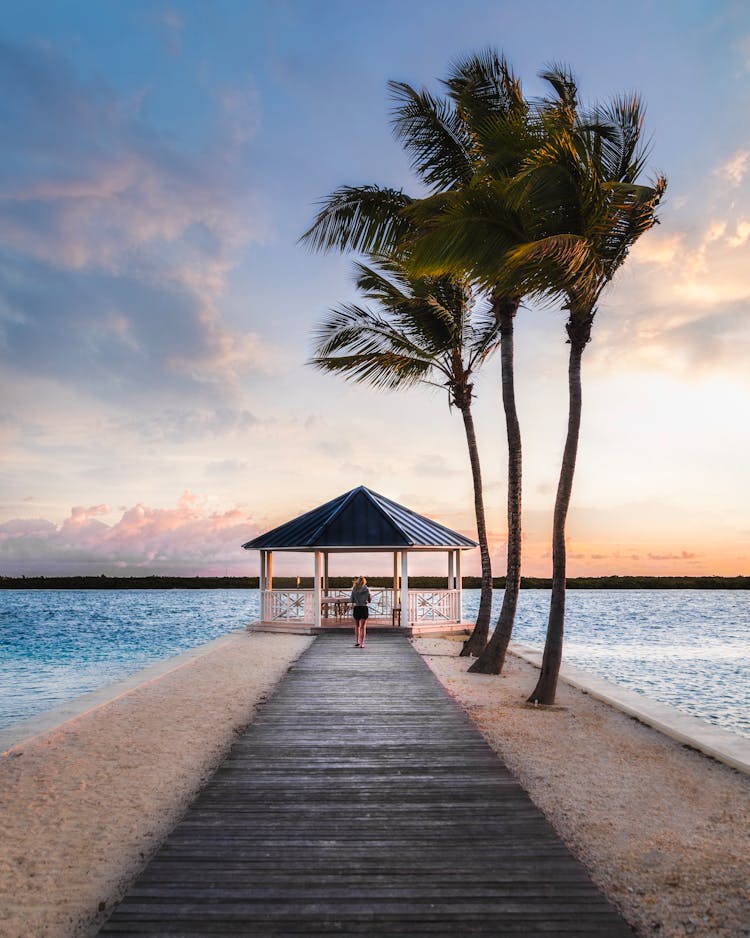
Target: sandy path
[83, 807]
[662, 829]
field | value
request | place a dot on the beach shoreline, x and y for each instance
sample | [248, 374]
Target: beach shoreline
[662, 829]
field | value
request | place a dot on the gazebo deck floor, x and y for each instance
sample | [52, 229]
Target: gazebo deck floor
[363, 801]
[374, 624]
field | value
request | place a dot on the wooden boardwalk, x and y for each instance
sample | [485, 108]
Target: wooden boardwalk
[363, 801]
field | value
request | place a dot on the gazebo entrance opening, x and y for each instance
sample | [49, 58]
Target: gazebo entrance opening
[361, 522]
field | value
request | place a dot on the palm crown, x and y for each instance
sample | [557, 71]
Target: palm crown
[423, 330]
[585, 206]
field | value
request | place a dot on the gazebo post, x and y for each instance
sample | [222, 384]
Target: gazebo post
[404, 589]
[262, 585]
[394, 604]
[459, 585]
[451, 570]
[325, 573]
[316, 593]
[269, 570]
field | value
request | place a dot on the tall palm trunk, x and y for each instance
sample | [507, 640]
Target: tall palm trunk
[492, 658]
[579, 332]
[478, 638]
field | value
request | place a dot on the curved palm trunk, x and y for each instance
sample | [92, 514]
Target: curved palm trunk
[492, 658]
[478, 638]
[544, 692]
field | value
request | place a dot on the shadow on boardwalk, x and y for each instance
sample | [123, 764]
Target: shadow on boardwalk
[363, 801]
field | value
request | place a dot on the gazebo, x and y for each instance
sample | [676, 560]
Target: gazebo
[361, 521]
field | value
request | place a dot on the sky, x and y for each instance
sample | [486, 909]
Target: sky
[159, 163]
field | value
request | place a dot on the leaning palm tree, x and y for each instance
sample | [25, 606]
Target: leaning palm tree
[425, 331]
[453, 144]
[469, 228]
[590, 210]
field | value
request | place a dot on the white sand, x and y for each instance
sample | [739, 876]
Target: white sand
[86, 805]
[662, 829]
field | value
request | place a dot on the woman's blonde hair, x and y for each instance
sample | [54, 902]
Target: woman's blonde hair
[360, 581]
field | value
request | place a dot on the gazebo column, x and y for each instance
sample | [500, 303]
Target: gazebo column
[404, 589]
[459, 586]
[316, 591]
[262, 585]
[325, 573]
[267, 574]
[394, 604]
[451, 570]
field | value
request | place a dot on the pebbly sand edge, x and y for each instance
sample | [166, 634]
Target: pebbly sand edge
[84, 806]
[662, 829]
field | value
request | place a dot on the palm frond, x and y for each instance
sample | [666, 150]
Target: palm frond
[483, 84]
[369, 219]
[359, 330]
[468, 237]
[552, 267]
[433, 135]
[385, 370]
[389, 291]
[564, 106]
[424, 331]
[615, 130]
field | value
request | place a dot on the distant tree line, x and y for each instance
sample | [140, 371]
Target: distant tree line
[341, 582]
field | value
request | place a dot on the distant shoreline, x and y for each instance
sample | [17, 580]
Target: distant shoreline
[421, 582]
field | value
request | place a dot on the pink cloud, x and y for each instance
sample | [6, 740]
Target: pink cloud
[187, 538]
[80, 515]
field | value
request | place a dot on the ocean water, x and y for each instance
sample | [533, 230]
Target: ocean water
[58, 644]
[688, 648]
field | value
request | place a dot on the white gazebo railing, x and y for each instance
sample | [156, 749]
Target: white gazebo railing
[295, 605]
[434, 605]
[298, 605]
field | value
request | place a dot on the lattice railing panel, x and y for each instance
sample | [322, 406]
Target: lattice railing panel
[288, 605]
[434, 606]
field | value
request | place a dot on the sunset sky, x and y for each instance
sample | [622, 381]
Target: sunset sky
[159, 162]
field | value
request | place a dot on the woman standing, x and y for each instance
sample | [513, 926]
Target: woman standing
[360, 598]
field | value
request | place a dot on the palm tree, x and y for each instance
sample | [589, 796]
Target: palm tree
[582, 187]
[426, 331]
[574, 207]
[456, 146]
[469, 227]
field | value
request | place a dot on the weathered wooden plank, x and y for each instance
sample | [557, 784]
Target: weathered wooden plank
[363, 800]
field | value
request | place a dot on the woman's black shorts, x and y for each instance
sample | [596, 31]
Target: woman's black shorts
[360, 612]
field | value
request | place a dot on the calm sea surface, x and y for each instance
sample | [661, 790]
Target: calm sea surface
[688, 648]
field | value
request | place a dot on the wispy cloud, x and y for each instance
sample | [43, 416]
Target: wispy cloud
[116, 242]
[734, 169]
[683, 555]
[681, 303]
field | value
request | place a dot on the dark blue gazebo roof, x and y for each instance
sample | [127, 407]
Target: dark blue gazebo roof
[360, 520]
